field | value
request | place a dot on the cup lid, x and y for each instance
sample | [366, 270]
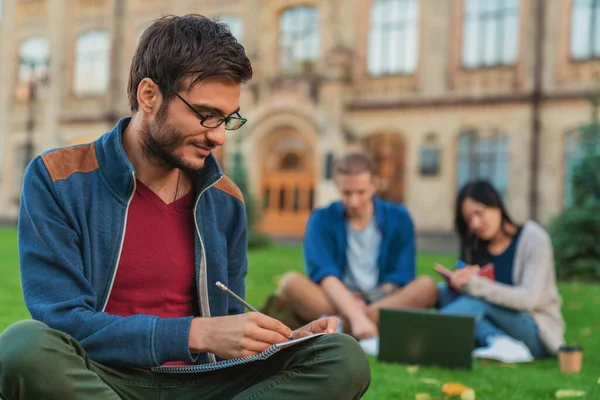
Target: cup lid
[570, 347]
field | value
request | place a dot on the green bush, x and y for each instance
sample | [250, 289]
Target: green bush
[258, 239]
[576, 232]
[576, 238]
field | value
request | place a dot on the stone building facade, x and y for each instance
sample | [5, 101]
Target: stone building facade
[439, 91]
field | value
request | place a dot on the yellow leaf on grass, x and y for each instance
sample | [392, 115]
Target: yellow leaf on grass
[575, 305]
[454, 388]
[468, 395]
[568, 393]
[598, 381]
[431, 381]
[586, 331]
[411, 369]
[422, 396]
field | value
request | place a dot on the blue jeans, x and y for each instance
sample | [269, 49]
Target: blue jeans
[492, 320]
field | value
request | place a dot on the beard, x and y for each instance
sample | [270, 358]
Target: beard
[159, 142]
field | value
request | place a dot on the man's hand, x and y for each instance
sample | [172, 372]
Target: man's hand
[236, 336]
[327, 325]
[362, 327]
[462, 277]
[360, 303]
[388, 288]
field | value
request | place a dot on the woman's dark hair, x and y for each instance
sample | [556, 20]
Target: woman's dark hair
[175, 48]
[473, 250]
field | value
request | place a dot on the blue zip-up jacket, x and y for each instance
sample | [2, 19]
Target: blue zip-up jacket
[72, 223]
[326, 242]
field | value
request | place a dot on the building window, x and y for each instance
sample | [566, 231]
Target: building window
[393, 37]
[483, 158]
[298, 40]
[235, 24]
[34, 58]
[585, 29]
[92, 63]
[490, 33]
[429, 157]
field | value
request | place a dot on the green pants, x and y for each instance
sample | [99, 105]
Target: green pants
[37, 362]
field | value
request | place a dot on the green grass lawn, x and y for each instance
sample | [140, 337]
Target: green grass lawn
[539, 380]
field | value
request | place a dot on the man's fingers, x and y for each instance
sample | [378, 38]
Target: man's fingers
[327, 325]
[251, 347]
[268, 336]
[332, 324]
[300, 333]
[272, 324]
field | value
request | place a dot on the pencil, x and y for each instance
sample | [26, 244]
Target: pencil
[235, 296]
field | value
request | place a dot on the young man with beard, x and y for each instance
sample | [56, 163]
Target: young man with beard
[122, 240]
[359, 256]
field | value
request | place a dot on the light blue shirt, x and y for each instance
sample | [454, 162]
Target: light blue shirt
[362, 272]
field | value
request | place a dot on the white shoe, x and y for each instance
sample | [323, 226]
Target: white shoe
[340, 328]
[370, 345]
[505, 349]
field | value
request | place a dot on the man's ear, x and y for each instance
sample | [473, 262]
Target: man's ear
[148, 96]
[376, 182]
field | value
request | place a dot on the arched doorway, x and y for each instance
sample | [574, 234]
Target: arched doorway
[288, 181]
[388, 151]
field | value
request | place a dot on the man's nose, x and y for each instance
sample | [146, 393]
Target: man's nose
[352, 200]
[217, 135]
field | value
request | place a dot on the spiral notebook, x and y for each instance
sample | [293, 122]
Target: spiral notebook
[185, 369]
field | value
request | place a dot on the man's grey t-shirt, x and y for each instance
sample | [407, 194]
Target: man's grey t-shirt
[362, 271]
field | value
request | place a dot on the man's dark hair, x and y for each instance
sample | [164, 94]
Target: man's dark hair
[175, 48]
[355, 163]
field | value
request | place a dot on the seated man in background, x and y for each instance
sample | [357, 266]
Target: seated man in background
[359, 255]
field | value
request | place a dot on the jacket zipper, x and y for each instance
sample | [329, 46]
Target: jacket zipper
[112, 282]
[202, 279]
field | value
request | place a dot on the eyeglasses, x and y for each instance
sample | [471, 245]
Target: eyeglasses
[212, 120]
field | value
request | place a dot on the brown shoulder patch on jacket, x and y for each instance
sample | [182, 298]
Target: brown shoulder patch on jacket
[64, 162]
[226, 185]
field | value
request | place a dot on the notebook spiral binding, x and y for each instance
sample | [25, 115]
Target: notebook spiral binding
[188, 369]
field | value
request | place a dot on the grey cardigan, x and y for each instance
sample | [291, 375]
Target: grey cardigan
[534, 289]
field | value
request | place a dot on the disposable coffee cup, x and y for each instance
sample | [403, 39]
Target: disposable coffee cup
[570, 358]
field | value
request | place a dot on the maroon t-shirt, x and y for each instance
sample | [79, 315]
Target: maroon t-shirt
[156, 273]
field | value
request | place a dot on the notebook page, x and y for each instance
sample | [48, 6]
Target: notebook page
[235, 361]
[289, 343]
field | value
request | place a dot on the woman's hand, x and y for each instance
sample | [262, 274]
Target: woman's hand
[462, 277]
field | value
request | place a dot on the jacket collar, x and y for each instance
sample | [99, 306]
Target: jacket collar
[119, 172]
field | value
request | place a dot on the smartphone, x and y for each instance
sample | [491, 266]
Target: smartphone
[445, 272]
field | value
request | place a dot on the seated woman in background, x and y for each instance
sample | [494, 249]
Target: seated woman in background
[518, 310]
